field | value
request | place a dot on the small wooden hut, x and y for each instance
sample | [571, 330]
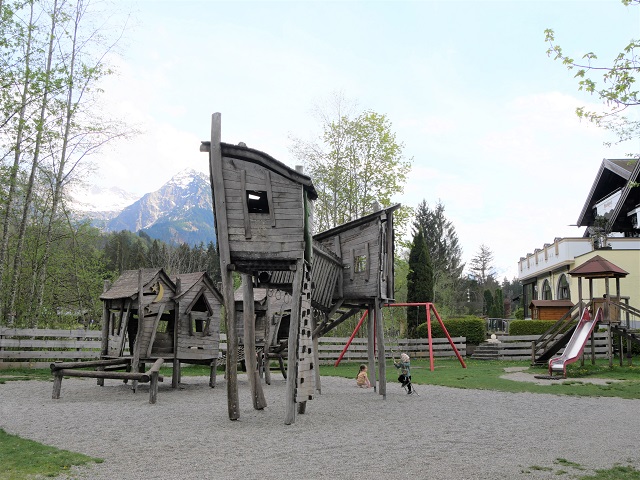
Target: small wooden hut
[197, 335]
[139, 307]
[549, 309]
[180, 320]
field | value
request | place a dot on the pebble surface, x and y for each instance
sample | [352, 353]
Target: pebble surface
[346, 432]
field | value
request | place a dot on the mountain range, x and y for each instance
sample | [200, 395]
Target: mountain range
[181, 211]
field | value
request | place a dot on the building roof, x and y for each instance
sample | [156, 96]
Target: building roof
[551, 303]
[613, 175]
[126, 286]
[355, 223]
[598, 267]
[189, 280]
[242, 152]
[259, 295]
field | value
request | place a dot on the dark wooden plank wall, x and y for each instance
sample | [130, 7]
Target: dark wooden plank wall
[355, 242]
[285, 240]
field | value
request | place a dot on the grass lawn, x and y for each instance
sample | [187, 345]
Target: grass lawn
[23, 459]
[485, 375]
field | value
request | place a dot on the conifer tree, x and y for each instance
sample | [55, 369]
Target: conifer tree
[419, 281]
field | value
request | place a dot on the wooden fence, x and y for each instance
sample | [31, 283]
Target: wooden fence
[37, 348]
[518, 347]
[329, 348]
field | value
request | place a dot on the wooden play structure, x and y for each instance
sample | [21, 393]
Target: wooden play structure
[150, 318]
[263, 223]
[612, 307]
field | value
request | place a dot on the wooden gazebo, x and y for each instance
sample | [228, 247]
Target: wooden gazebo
[599, 268]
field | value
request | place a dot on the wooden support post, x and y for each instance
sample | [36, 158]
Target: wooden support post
[154, 376]
[533, 352]
[371, 343]
[382, 365]
[135, 362]
[212, 374]
[175, 374]
[294, 324]
[57, 385]
[222, 233]
[248, 308]
[104, 344]
[316, 355]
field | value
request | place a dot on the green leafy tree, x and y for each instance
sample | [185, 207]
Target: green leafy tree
[419, 281]
[354, 163]
[612, 81]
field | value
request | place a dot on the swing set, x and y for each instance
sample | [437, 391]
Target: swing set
[430, 307]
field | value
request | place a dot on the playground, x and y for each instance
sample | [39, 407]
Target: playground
[444, 433]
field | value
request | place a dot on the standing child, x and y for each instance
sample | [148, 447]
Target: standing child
[405, 371]
[362, 380]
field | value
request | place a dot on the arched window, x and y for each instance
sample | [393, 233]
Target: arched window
[563, 288]
[546, 291]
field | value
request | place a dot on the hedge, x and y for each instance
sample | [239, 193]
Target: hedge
[533, 327]
[473, 328]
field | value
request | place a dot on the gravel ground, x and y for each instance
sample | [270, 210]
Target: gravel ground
[347, 432]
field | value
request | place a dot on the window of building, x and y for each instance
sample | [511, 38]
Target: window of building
[360, 263]
[563, 288]
[546, 291]
[257, 201]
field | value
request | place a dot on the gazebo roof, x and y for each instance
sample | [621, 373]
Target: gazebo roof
[598, 267]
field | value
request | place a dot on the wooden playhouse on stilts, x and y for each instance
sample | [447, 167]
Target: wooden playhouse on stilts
[262, 210]
[263, 218]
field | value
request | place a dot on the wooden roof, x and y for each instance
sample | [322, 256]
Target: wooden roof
[259, 295]
[355, 223]
[189, 280]
[551, 303]
[126, 286]
[242, 152]
[613, 175]
[598, 267]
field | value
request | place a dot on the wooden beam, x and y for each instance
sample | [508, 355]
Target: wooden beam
[257, 395]
[382, 366]
[222, 234]
[154, 330]
[294, 322]
[245, 207]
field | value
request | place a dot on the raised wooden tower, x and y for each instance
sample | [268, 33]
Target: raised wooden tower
[262, 210]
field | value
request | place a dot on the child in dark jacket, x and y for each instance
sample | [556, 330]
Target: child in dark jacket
[405, 371]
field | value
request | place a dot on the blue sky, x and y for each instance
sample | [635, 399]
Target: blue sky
[486, 116]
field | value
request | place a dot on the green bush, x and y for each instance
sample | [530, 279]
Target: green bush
[519, 314]
[473, 328]
[533, 327]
